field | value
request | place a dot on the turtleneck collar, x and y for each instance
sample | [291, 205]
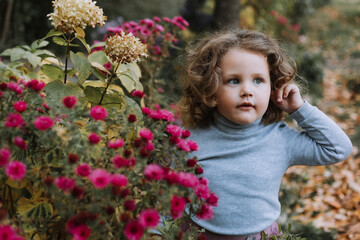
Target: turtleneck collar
[227, 126]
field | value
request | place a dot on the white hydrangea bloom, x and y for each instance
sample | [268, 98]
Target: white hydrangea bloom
[69, 14]
[125, 48]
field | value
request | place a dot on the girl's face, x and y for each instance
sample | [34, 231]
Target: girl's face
[245, 93]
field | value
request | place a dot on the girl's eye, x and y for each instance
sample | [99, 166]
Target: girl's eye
[258, 80]
[233, 81]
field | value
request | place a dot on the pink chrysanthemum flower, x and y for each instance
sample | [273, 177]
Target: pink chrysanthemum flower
[69, 101]
[94, 138]
[154, 171]
[157, 19]
[64, 183]
[130, 205]
[98, 113]
[206, 212]
[7, 232]
[188, 179]
[132, 118]
[149, 218]
[133, 230]
[174, 130]
[100, 178]
[81, 232]
[146, 134]
[19, 141]
[138, 93]
[191, 162]
[172, 177]
[119, 161]
[15, 87]
[115, 143]
[166, 115]
[83, 170]
[15, 170]
[185, 133]
[35, 85]
[202, 191]
[146, 110]
[20, 106]
[5, 155]
[14, 120]
[177, 206]
[119, 180]
[108, 66]
[43, 123]
[212, 200]
[183, 145]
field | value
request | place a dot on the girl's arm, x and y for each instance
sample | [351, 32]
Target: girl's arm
[322, 142]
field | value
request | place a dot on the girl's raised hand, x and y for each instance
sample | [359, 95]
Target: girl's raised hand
[288, 98]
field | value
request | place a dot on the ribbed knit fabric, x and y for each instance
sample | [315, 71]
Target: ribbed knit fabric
[245, 164]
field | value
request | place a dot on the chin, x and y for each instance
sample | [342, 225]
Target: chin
[245, 121]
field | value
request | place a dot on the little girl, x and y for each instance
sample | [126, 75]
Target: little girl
[237, 86]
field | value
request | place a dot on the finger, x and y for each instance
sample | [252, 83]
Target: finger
[287, 90]
[279, 95]
[290, 89]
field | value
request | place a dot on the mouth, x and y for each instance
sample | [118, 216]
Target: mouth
[246, 106]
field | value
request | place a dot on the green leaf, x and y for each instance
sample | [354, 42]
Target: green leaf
[33, 59]
[51, 33]
[100, 67]
[47, 53]
[99, 57]
[26, 47]
[62, 42]
[39, 44]
[82, 65]
[129, 75]
[133, 106]
[53, 72]
[14, 53]
[55, 91]
[82, 40]
[111, 99]
[93, 94]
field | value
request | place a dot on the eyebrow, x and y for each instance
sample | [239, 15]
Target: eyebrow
[263, 75]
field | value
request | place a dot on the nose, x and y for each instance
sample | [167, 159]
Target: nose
[246, 90]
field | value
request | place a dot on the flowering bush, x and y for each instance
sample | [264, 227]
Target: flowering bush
[162, 37]
[84, 158]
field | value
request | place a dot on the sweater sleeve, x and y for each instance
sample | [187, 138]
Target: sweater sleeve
[322, 142]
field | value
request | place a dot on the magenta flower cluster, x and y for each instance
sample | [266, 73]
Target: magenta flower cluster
[125, 161]
[157, 33]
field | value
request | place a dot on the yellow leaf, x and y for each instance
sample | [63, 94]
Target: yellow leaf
[80, 32]
[16, 184]
[81, 123]
[93, 84]
[24, 205]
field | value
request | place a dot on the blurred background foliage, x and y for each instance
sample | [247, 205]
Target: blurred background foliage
[322, 36]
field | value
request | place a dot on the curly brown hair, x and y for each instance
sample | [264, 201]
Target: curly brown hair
[202, 75]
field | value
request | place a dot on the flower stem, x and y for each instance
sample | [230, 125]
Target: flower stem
[108, 83]
[66, 58]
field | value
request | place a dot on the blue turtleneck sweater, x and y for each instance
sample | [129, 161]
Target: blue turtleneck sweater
[245, 164]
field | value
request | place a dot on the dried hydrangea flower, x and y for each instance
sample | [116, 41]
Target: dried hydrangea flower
[125, 48]
[69, 14]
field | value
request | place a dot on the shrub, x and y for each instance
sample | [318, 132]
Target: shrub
[84, 158]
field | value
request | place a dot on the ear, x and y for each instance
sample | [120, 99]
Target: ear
[210, 102]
